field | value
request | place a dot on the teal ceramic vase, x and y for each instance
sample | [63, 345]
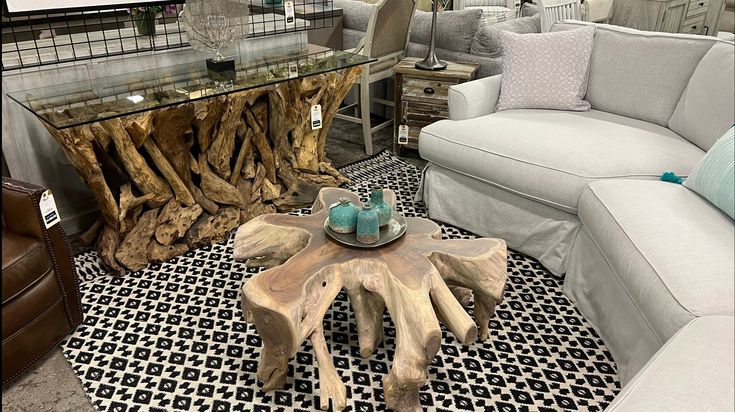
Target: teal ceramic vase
[383, 209]
[343, 216]
[368, 226]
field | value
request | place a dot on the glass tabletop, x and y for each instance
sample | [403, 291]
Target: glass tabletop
[94, 100]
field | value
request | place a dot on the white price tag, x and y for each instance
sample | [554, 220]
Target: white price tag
[293, 70]
[403, 134]
[290, 14]
[316, 117]
[48, 209]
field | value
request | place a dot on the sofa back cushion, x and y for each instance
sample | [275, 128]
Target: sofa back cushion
[487, 40]
[355, 14]
[707, 107]
[454, 29]
[640, 74]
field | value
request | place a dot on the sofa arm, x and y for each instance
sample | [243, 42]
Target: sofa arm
[693, 371]
[474, 99]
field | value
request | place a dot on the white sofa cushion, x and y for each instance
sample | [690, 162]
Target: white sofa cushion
[670, 249]
[707, 107]
[692, 372]
[550, 155]
[640, 74]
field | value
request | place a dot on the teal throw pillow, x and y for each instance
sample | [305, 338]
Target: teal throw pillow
[714, 177]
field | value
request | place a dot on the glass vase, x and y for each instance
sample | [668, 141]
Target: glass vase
[145, 23]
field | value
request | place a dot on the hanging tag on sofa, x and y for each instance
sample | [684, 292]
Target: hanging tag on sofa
[403, 134]
[48, 209]
[293, 70]
[316, 117]
[290, 14]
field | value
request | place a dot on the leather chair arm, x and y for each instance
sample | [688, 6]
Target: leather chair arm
[22, 215]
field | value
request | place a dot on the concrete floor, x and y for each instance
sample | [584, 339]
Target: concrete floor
[52, 384]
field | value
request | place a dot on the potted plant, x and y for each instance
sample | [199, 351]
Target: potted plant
[145, 17]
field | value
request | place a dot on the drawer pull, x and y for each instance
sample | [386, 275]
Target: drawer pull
[429, 90]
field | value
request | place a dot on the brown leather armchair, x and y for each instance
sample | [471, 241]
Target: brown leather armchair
[40, 287]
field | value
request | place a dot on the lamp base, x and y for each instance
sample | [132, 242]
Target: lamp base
[431, 63]
[222, 70]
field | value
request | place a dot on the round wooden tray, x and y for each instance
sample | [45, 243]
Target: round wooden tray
[392, 231]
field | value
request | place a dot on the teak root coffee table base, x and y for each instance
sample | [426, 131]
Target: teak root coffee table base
[412, 277]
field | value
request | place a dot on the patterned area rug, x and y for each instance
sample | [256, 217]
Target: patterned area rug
[172, 337]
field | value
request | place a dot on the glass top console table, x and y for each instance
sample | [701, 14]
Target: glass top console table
[176, 157]
[94, 100]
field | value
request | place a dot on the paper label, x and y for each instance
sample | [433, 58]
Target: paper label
[316, 117]
[48, 209]
[293, 70]
[290, 14]
[403, 134]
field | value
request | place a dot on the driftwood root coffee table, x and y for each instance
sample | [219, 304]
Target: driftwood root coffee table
[419, 278]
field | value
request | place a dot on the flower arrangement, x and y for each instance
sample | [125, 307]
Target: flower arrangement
[169, 8]
[145, 17]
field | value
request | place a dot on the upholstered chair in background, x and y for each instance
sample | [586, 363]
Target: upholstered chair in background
[386, 38]
[493, 11]
[41, 302]
[556, 10]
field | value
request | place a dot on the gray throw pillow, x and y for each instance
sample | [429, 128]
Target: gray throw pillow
[487, 39]
[546, 70]
[454, 29]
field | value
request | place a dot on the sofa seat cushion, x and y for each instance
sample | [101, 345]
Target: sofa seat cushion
[351, 38]
[692, 372]
[669, 248]
[550, 156]
[25, 261]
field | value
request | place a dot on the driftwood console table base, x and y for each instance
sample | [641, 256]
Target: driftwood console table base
[171, 179]
[420, 279]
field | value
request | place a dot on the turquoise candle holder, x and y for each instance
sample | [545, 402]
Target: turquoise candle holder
[384, 211]
[368, 226]
[343, 216]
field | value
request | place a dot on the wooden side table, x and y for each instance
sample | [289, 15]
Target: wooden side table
[421, 97]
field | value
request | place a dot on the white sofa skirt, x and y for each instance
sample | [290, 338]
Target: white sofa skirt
[594, 288]
[526, 225]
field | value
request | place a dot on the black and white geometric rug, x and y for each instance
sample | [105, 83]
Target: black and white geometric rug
[172, 337]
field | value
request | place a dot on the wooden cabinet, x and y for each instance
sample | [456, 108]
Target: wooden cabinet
[421, 97]
[665, 16]
[681, 16]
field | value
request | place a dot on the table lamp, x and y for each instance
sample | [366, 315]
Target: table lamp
[431, 62]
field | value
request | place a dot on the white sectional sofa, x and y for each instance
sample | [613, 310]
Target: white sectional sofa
[580, 191]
